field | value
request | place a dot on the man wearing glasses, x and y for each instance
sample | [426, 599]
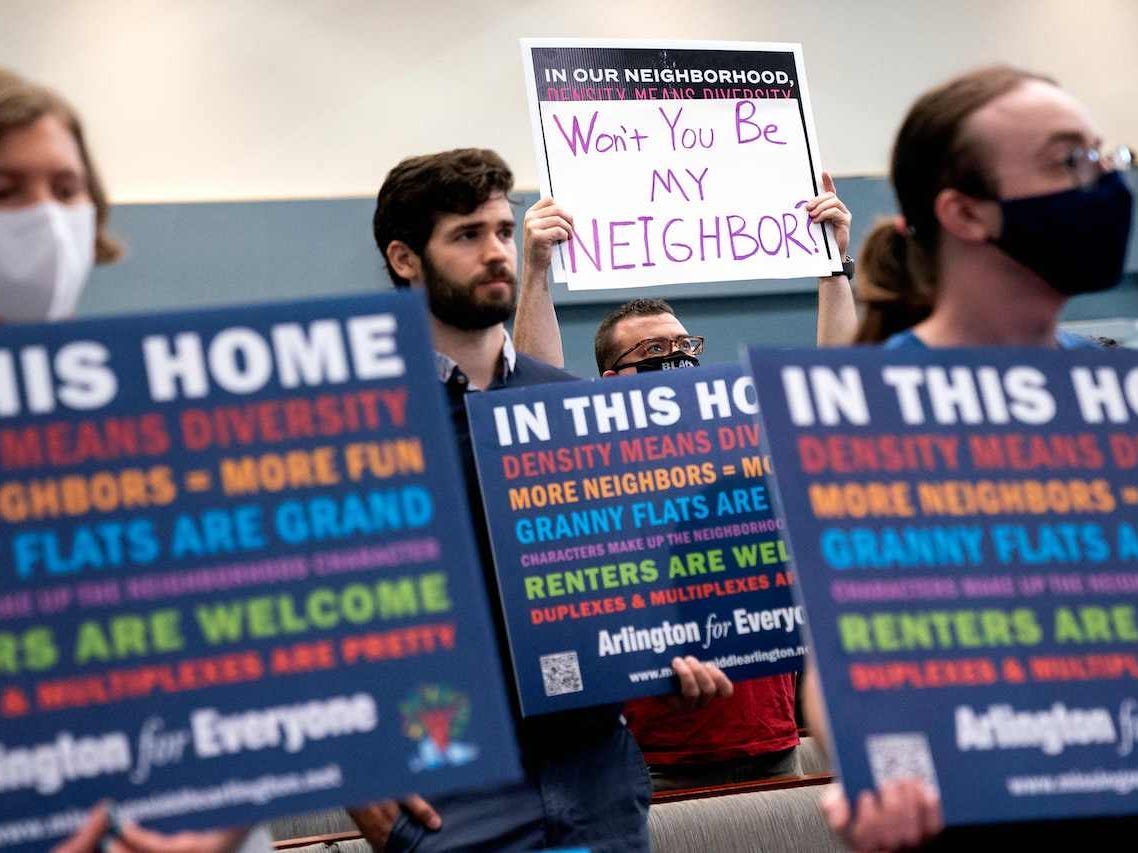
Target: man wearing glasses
[753, 734]
[1009, 207]
[644, 335]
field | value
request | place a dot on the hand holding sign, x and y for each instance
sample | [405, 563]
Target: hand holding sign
[904, 814]
[700, 683]
[377, 820]
[546, 225]
[827, 207]
[98, 835]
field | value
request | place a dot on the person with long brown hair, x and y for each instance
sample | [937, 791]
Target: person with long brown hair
[1009, 205]
[53, 229]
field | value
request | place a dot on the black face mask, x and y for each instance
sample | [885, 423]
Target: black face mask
[1074, 240]
[675, 361]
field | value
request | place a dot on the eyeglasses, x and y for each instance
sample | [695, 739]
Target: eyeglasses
[1088, 164]
[655, 347]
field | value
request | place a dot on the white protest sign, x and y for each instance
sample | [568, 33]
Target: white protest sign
[679, 161]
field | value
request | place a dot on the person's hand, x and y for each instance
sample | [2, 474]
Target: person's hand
[376, 821]
[135, 839]
[131, 838]
[902, 814]
[86, 839]
[545, 225]
[699, 683]
[829, 208]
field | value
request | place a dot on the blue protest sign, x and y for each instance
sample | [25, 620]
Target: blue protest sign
[964, 531]
[236, 570]
[630, 524]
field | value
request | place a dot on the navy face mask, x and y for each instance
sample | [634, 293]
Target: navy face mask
[1074, 240]
[675, 361]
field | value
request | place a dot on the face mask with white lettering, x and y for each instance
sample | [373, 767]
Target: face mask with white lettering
[675, 361]
[46, 254]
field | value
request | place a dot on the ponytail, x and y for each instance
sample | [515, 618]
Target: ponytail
[894, 285]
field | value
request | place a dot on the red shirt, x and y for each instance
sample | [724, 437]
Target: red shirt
[758, 718]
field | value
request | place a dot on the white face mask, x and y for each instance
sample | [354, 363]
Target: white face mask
[46, 253]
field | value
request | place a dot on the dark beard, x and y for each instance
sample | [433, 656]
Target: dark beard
[454, 303]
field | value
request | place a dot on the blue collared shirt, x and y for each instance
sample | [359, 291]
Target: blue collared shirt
[447, 368]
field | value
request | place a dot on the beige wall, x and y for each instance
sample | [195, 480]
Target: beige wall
[246, 99]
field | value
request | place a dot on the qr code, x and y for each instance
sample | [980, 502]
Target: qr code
[901, 755]
[561, 674]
